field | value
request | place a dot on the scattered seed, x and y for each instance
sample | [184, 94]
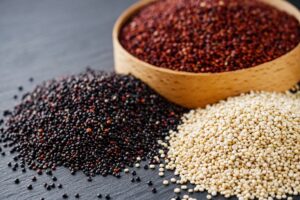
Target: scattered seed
[137, 165]
[161, 174]
[49, 187]
[184, 187]
[177, 190]
[150, 183]
[173, 180]
[190, 191]
[154, 190]
[146, 167]
[152, 166]
[166, 182]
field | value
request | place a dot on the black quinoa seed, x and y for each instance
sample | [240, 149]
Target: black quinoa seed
[34, 179]
[20, 88]
[107, 196]
[49, 172]
[77, 196]
[48, 187]
[31, 79]
[39, 172]
[29, 187]
[154, 190]
[99, 196]
[54, 178]
[94, 122]
[146, 167]
[65, 196]
[138, 179]
[7, 113]
[59, 186]
[17, 181]
[150, 183]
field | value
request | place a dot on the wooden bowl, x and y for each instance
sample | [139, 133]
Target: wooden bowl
[199, 89]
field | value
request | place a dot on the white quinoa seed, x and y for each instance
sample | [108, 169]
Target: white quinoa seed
[152, 166]
[184, 187]
[137, 165]
[165, 182]
[173, 180]
[177, 190]
[208, 196]
[249, 144]
[161, 174]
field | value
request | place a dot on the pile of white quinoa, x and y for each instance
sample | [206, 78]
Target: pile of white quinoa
[247, 146]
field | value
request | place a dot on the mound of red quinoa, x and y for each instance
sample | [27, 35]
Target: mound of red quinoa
[95, 122]
[209, 35]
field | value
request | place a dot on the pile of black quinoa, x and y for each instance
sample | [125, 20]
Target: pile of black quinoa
[96, 122]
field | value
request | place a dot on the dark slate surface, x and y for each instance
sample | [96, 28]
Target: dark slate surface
[49, 38]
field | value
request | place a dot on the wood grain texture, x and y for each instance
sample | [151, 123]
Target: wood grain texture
[194, 90]
[49, 38]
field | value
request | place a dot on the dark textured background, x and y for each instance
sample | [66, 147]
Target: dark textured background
[49, 38]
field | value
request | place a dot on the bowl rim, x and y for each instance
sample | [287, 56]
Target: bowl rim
[130, 11]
